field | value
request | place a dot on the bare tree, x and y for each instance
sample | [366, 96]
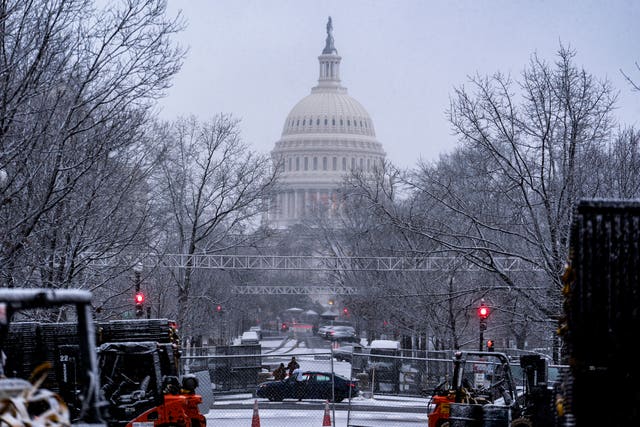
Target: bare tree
[77, 87]
[509, 190]
[530, 155]
[630, 80]
[211, 192]
[366, 227]
[618, 174]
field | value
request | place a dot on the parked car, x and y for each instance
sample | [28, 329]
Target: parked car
[342, 333]
[345, 352]
[323, 330]
[314, 385]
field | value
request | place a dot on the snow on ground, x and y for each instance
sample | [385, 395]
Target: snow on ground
[309, 415]
[375, 400]
[283, 418]
[279, 349]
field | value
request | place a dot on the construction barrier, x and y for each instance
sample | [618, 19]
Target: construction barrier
[326, 420]
[255, 420]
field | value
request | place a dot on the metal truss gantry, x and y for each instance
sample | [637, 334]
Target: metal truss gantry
[293, 290]
[308, 263]
[317, 263]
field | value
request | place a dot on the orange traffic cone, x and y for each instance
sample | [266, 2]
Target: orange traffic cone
[326, 421]
[255, 421]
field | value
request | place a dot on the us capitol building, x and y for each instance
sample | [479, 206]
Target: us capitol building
[325, 136]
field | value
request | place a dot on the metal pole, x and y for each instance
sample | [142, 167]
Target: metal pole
[137, 270]
[137, 281]
[481, 339]
[137, 278]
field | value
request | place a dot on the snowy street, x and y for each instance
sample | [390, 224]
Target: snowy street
[377, 410]
[312, 413]
[277, 418]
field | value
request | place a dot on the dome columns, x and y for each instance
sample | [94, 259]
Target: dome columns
[296, 204]
[329, 70]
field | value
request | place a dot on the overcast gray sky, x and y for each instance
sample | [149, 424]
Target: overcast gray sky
[401, 59]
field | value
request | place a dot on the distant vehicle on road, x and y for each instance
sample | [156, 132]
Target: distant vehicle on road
[314, 385]
[342, 333]
[250, 337]
[257, 330]
[383, 365]
[345, 353]
[324, 330]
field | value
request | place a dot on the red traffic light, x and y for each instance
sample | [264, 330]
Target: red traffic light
[139, 298]
[345, 310]
[483, 311]
[490, 345]
[218, 308]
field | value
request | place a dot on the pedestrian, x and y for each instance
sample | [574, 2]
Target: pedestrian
[297, 374]
[292, 365]
[280, 372]
[299, 383]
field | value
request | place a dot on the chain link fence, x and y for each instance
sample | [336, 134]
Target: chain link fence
[397, 377]
[406, 372]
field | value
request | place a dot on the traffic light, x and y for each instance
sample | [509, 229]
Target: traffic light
[219, 309]
[490, 344]
[139, 299]
[345, 311]
[483, 311]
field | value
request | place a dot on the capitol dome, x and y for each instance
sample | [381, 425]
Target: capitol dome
[326, 135]
[328, 112]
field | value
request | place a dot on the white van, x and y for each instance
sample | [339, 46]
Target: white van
[385, 345]
[257, 330]
[250, 337]
[384, 364]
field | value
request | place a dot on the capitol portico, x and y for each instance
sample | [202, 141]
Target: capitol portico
[325, 136]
